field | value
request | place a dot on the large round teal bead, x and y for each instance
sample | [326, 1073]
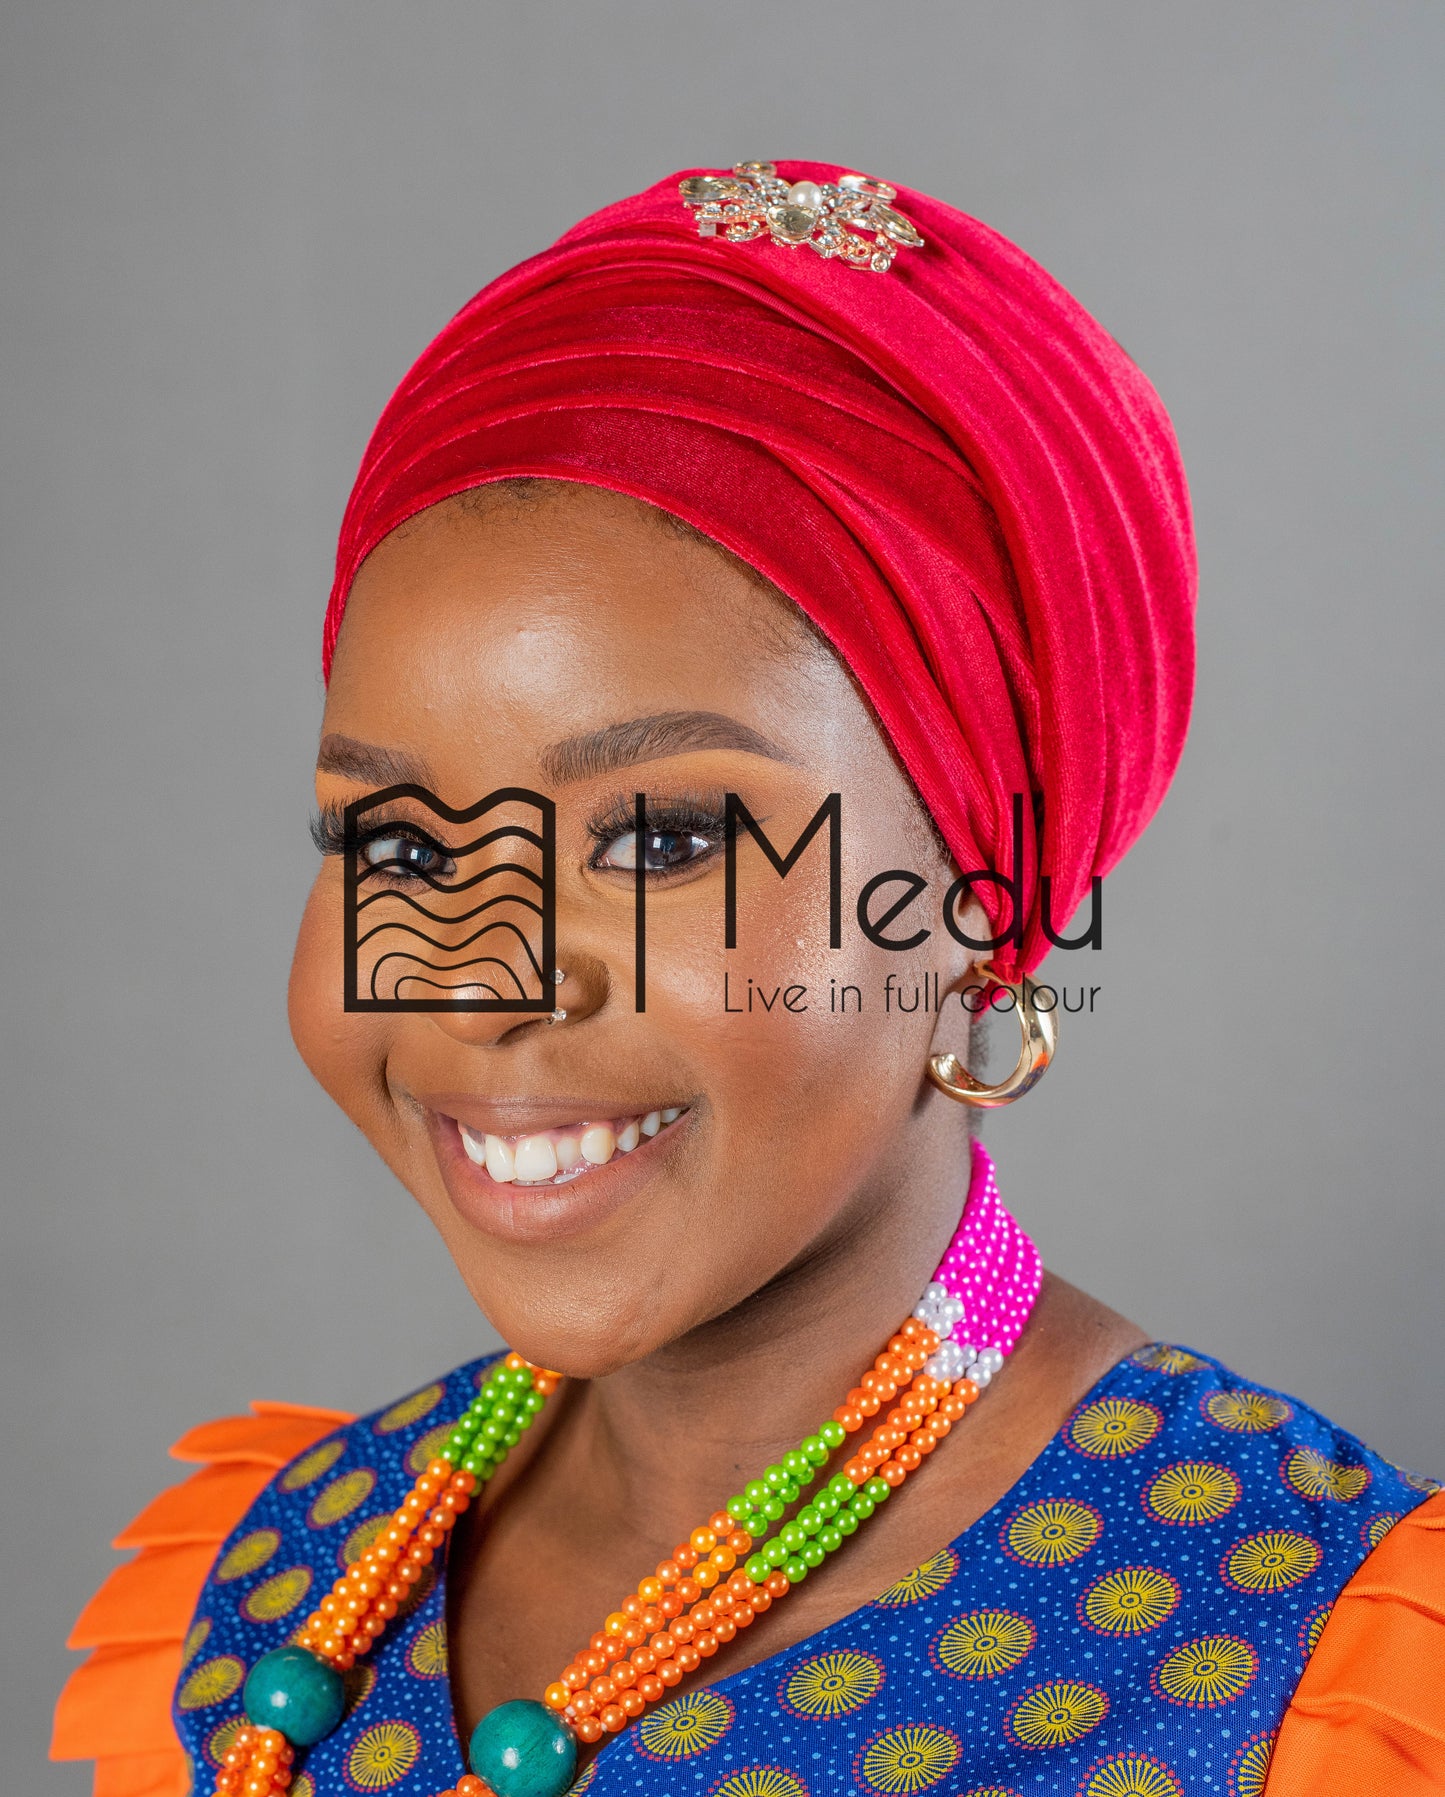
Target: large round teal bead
[297, 1692]
[521, 1749]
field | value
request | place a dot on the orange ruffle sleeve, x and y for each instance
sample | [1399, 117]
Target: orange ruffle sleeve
[1368, 1716]
[116, 1708]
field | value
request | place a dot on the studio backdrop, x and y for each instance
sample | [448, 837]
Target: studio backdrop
[228, 229]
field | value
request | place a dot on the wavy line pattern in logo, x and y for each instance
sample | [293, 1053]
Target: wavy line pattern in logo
[441, 916]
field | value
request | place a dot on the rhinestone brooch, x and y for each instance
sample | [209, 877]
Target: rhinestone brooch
[853, 218]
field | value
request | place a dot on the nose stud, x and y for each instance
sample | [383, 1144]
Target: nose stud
[559, 1015]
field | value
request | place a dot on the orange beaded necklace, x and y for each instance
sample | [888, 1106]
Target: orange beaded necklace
[731, 1569]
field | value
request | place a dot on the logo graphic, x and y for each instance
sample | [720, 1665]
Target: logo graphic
[461, 916]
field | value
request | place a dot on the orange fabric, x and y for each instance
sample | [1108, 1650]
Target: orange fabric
[119, 1702]
[116, 1708]
[188, 1511]
[268, 1439]
[142, 1775]
[1368, 1716]
[150, 1598]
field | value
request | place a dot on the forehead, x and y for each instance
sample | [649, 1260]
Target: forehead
[541, 615]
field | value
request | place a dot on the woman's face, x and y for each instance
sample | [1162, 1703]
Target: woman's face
[572, 644]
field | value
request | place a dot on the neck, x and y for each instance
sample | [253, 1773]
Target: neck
[671, 1437]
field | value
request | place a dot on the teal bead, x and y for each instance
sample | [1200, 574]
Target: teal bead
[521, 1749]
[833, 1433]
[297, 1692]
[796, 1569]
[757, 1568]
[830, 1539]
[816, 1449]
[879, 1490]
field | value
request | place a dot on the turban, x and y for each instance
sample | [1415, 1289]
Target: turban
[949, 466]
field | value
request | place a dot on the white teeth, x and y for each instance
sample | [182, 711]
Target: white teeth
[536, 1158]
[501, 1163]
[598, 1144]
[563, 1155]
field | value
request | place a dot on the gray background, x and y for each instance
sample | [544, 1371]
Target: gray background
[229, 227]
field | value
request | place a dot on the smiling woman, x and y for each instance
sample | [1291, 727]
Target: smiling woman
[691, 547]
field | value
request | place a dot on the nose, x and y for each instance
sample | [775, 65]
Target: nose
[581, 989]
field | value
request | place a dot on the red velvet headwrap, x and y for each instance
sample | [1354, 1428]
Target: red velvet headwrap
[949, 466]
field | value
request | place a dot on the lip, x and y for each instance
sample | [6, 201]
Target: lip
[540, 1213]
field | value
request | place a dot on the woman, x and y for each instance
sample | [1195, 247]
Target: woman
[722, 603]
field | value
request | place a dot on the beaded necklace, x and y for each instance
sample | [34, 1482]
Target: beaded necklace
[747, 1556]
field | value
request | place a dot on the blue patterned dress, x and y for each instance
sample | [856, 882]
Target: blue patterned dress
[1130, 1620]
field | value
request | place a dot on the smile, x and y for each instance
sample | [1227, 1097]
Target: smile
[552, 1157]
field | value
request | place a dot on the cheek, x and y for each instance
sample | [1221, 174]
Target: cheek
[340, 1048]
[802, 1080]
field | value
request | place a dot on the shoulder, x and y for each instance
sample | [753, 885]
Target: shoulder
[227, 1555]
[1232, 1447]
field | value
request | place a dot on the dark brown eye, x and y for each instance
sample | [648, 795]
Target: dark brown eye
[661, 850]
[404, 857]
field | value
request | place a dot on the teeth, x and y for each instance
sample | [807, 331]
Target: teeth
[560, 1155]
[536, 1158]
[598, 1144]
[501, 1163]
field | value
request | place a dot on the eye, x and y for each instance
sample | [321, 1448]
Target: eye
[404, 857]
[662, 850]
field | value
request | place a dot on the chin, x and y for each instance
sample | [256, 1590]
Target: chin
[566, 1325]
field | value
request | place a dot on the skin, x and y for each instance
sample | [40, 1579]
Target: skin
[713, 1297]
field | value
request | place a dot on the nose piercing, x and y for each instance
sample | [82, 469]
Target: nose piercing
[558, 976]
[557, 1017]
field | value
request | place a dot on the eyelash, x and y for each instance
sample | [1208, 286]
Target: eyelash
[688, 814]
[328, 832]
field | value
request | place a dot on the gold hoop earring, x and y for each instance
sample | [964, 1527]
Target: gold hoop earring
[1040, 1039]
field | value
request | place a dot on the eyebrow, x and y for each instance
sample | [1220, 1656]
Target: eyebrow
[370, 765]
[581, 757]
[666, 733]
